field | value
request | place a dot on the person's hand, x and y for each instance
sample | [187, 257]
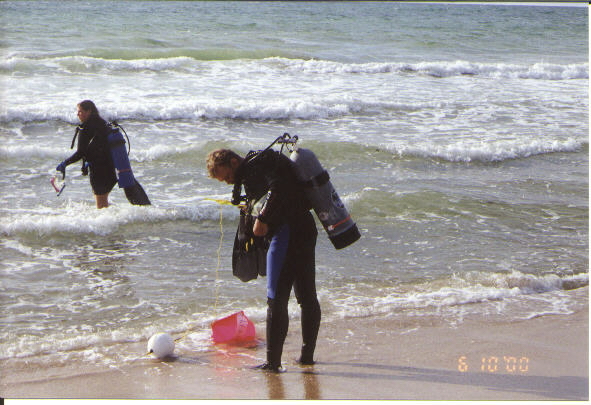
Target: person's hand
[260, 228]
[61, 168]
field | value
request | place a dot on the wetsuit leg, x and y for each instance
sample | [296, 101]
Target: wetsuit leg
[305, 291]
[136, 194]
[305, 288]
[275, 258]
[102, 179]
[278, 290]
[291, 264]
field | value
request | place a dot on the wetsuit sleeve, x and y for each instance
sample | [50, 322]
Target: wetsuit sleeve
[83, 141]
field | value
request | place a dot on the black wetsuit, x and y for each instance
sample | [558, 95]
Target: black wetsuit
[93, 147]
[291, 255]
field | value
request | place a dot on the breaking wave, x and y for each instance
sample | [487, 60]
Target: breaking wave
[191, 63]
[84, 219]
[489, 152]
[466, 289]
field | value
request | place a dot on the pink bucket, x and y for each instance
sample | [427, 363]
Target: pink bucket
[235, 328]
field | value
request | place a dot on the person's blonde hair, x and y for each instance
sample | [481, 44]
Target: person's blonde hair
[220, 157]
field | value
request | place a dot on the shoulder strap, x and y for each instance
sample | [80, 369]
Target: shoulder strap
[75, 135]
[237, 197]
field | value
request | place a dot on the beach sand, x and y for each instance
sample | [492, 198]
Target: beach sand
[545, 358]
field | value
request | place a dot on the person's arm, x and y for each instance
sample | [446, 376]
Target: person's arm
[83, 141]
[260, 228]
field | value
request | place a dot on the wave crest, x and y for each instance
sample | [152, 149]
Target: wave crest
[489, 152]
[473, 288]
[541, 71]
[85, 219]
[191, 63]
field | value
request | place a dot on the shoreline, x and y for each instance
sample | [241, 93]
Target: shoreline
[545, 358]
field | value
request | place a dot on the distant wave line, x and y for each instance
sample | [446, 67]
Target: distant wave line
[279, 108]
[489, 152]
[493, 151]
[80, 64]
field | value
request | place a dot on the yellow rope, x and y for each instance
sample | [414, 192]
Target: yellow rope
[217, 270]
[224, 202]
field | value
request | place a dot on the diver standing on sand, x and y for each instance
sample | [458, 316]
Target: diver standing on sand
[94, 149]
[285, 220]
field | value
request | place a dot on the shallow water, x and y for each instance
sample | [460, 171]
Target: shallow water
[457, 136]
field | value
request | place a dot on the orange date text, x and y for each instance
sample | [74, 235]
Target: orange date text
[495, 364]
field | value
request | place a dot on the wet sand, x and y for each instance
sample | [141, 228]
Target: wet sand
[545, 358]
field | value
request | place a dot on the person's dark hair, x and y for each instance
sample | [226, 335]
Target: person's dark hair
[88, 105]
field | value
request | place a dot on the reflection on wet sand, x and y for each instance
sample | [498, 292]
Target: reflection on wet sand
[311, 386]
[276, 387]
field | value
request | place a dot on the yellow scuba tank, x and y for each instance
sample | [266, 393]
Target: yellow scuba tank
[327, 204]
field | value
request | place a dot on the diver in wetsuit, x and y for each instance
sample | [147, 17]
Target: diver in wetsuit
[287, 222]
[93, 148]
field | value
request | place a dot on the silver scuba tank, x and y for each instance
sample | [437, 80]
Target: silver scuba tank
[327, 204]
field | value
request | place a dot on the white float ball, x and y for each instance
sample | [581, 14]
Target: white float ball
[161, 345]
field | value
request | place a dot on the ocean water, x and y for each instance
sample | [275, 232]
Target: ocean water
[456, 134]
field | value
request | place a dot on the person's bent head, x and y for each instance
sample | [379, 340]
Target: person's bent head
[86, 109]
[222, 165]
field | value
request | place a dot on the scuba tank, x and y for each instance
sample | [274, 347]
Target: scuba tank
[325, 201]
[327, 204]
[120, 157]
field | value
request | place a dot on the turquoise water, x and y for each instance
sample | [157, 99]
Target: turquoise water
[456, 134]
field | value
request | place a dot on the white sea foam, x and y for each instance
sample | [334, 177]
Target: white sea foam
[461, 290]
[279, 108]
[85, 219]
[59, 150]
[488, 152]
[159, 151]
[93, 342]
[494, 151]
[25, 151]
[546, 293]
[19, 247]
[544, 71]
[78, 64]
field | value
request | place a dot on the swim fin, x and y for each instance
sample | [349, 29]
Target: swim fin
[136, 195]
